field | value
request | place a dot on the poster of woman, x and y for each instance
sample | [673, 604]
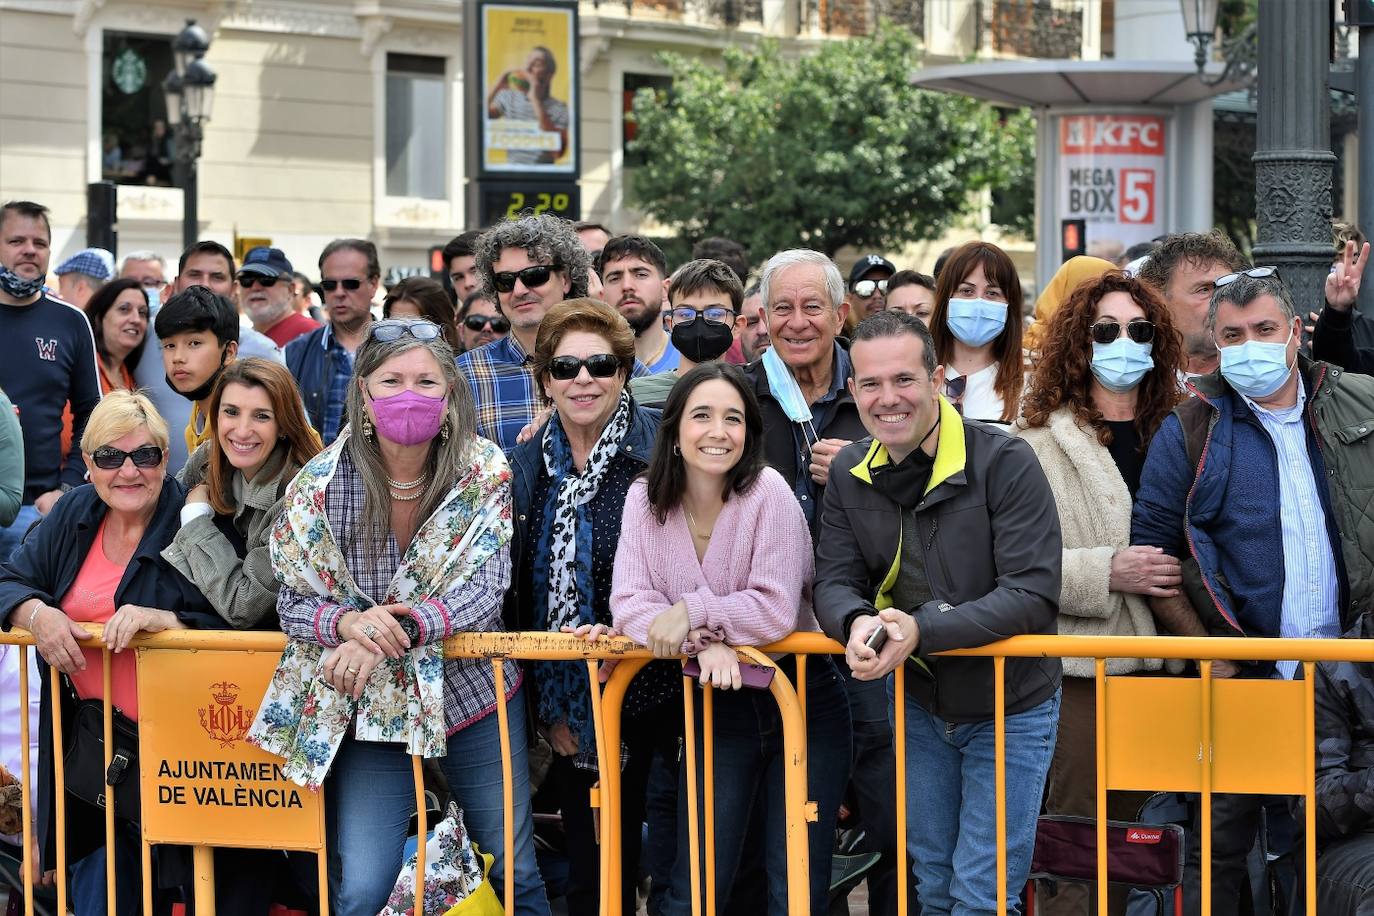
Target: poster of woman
[529, 70]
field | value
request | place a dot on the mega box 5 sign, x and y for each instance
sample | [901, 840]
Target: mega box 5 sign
[1110, 173]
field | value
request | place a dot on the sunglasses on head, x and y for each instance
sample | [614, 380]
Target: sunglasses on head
[1140, 330]
[349, 284]
[498, 323]
[599, 365]
[387, 331]
[1254, 273]
[865, 289]
[108, 458]
[533, 277]
[248, 281]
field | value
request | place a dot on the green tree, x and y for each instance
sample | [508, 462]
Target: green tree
[830, 149]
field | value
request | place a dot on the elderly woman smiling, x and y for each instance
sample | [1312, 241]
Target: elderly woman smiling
[95, 559]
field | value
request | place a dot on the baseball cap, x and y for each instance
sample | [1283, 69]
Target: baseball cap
[93, 262]
[266, 262]
[869, 262]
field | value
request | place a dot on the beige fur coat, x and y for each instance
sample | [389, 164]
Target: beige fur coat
[1095, 515]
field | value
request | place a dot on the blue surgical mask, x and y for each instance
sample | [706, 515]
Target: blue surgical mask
[1121, 364]
[1256, 369]
[784, 387]
[976, 322]
[154, 296]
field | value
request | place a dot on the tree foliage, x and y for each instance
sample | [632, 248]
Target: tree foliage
[830, 149]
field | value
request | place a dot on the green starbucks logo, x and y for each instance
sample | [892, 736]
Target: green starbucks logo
[130, 71]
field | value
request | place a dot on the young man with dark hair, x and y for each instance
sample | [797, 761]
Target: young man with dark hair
[47, 359]
[593, 237]
[705, 298]
[632, 270]
[727, 251]
[199, 334]
[480, 320]
[460, 264]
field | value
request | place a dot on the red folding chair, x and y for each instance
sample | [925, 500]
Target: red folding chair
[1147, 856]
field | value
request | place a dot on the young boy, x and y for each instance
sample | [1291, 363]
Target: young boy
[199, 331]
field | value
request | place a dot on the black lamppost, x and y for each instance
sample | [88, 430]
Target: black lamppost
[190, 91]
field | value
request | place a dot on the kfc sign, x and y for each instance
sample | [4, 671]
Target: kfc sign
[1111, 168]
[1138, 135]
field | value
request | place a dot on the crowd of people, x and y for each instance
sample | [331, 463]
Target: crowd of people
[700, 459]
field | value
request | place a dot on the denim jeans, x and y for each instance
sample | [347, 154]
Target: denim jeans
[749, 768]
[951, 804]
[371, 798]
[86, 878]
[12, 534]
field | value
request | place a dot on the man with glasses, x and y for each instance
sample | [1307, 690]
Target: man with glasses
[322, 361]
[705, 297]
[266, 294]
[632, 271]
[1259, 484]
[480, 320]
[529, 265]
[868, 285]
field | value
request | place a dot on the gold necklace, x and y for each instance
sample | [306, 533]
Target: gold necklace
[692, 524]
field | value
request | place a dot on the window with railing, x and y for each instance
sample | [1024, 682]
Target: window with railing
[861, 17]
[1033, 28]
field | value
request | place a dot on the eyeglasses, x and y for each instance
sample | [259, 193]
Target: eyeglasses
[108, 458]
[1140, 330]
[349, 284]
[387, 331]
[865, 289]
[477, 322]
[533, 277]
[1254, 273]
[599, 365]
[716, 313]
[248, 281]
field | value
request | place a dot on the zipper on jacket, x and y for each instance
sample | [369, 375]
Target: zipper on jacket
[1188, 522]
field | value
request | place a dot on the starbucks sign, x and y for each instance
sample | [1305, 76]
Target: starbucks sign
[130, 71]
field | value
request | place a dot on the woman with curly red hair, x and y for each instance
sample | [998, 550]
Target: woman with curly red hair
[1105, 382]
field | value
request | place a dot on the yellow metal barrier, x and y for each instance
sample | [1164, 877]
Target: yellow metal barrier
[1196, 735]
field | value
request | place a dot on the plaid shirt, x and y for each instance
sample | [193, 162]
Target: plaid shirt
[469, 684]
[504, 389]
[338, 388]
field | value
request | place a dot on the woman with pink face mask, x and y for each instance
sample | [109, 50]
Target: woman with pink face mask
[394, 537]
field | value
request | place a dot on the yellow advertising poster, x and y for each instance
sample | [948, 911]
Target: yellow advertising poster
[529, 86]
[202, 783]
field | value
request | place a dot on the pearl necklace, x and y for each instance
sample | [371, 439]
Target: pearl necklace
[408, 498]
[397, 485]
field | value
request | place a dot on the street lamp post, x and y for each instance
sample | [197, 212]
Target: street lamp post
[190, 92]
[1293, 158]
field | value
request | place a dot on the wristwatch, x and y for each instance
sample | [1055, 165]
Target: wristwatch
[411, 628]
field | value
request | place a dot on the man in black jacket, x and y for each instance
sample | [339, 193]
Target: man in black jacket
[943, 532]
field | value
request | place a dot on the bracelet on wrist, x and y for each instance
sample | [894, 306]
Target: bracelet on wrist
[34, 616]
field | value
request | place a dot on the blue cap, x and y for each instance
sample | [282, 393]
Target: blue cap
[266, 262]
[93, 262]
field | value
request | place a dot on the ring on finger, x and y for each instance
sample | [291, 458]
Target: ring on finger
[370, 631]
[352, 671]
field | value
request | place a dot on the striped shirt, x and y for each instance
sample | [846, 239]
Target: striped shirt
[1311, 590]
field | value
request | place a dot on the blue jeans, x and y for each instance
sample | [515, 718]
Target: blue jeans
[86, 878]
[371, 797]
[749, 767]
[951, 805]
[12, 534]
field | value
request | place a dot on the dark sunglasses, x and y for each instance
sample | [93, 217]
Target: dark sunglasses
[108, 458]
[477, 322]
[533, 277]
[1138, 329]
[1254, 273]
[248, 281]
[599, 365]
[387, 331]
[350, 284]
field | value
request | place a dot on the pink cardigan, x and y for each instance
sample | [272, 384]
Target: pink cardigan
[754, 586]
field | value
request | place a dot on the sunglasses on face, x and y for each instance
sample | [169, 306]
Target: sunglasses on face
[387, 331]
[108, 458]
[599, 365]
[1138, 329]
[865, 289]
[248, 281]
[714, 313]
[477, 322]
[1254, 273]
[533, 277]
[349, 284]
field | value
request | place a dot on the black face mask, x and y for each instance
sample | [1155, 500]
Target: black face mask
[202, 391]
[701, 340]
[905, 483]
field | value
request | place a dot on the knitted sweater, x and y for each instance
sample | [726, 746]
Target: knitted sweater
[754, 586]
[1095, 517]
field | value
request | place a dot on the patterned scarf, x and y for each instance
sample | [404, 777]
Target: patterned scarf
[302, 717]
[563, 563]
[17, 286]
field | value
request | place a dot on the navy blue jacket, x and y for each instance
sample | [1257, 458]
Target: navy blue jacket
[45, 568]
[311, 364]
[1222, 520]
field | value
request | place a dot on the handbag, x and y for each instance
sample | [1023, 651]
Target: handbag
[83, 760]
